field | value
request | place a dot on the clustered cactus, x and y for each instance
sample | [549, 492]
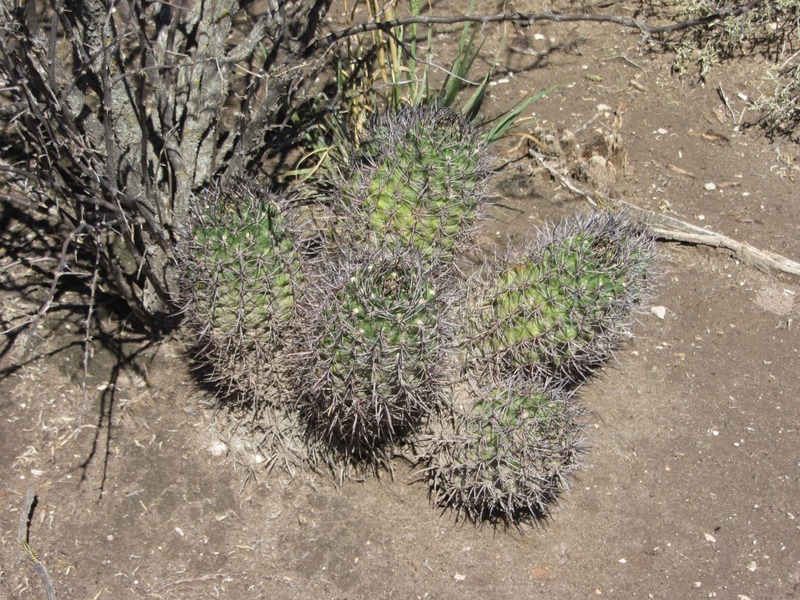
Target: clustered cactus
[373, 338]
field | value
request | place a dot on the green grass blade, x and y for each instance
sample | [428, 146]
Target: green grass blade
[509, 119]
[472, 107]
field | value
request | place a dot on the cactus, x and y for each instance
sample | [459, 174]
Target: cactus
[240, 284]
[354, 348]
[419, 182]
[558, 309]
[373, 364]
[508, 455]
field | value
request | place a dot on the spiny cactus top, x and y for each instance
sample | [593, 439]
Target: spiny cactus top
[420, 181]
[375, 348]
[557, 309]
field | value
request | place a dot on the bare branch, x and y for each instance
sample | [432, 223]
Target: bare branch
[518, 17]
[671, 229]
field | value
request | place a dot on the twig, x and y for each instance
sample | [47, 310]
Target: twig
[26, 552]
[332, 38]
[622, 57]
[61, 269]
[190, 580]
[563, 179]
[87, 336]
[672, 229]
[722, 95]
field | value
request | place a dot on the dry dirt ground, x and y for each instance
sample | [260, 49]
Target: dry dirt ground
[692, 483]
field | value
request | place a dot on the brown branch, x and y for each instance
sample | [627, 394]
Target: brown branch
[61, 269]
[671, 229]
[643, 26]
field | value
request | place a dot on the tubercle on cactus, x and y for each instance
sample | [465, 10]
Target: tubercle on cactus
[558, 308]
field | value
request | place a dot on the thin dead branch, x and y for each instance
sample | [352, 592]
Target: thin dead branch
[517, 17]
[671, 229]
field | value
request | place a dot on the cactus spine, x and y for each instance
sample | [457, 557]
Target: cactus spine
[558, 309]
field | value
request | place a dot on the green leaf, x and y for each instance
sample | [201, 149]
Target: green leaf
[509, 119]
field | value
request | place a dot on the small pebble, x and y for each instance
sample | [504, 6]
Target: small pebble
[218, 448]
[710, 186]
[659, 311]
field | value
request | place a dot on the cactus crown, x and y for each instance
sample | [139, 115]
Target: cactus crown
[501, 410]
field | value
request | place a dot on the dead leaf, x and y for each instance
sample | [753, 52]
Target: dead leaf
[540, 572]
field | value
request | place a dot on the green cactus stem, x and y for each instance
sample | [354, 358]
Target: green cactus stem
[373, 365]
[509, 454]
[240, 284]
[420, 182]
[559, 308]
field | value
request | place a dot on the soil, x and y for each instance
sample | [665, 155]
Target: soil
[691, 487]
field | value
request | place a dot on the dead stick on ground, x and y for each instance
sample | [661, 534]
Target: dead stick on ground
[26, 552]
[672, 229]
